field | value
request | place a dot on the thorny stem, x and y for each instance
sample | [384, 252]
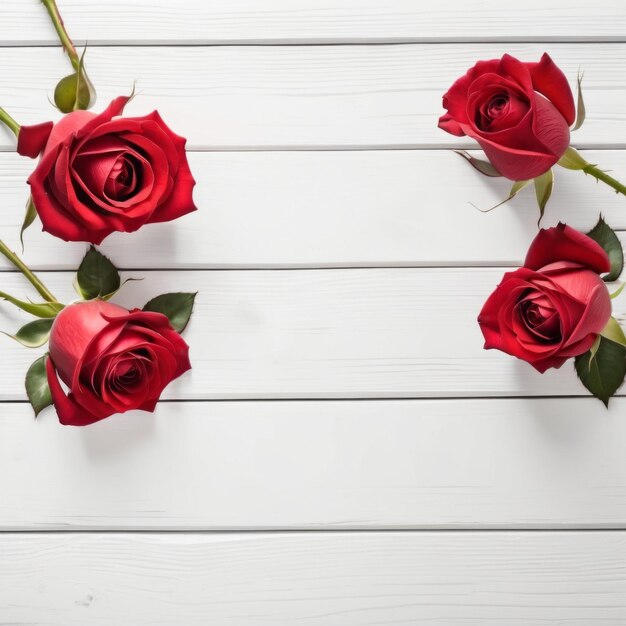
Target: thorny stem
[598, 174]
[57, 21]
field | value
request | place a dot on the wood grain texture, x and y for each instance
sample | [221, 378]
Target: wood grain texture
[331, 209]
[224, 21]
[365, 333]
[324, 97]
[541, 463]
[322, 579]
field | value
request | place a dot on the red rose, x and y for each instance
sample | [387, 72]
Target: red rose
[112, 360]
[555, 306]
[519, 113]
[100, 174]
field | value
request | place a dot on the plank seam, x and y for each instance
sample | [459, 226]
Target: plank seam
[615, 147]
[254, 399]
[315, 42]
[338, 531]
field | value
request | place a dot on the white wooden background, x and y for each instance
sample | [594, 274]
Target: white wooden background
[343, 452]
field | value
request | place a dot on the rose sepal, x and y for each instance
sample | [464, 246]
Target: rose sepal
[29, 217]
[482, 166]
[38, 309]
[572, 160]
[618, 291]
[543, 190]
[580, 105]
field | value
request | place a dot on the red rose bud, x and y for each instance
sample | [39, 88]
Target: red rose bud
[555, 306]
[519, 113]
[112, 360]
[100, 174]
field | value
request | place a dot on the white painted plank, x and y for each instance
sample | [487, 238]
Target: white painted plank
[331, 209]
[541, 463]
[314, 579]
[324, 334]
[223, 21]
[307, 96]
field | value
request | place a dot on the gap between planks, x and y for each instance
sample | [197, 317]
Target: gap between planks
[433, 530]
[319, 42]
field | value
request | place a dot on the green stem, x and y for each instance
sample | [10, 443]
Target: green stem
[598, 174]
[57, 21]
[34, 281]
[5, 118]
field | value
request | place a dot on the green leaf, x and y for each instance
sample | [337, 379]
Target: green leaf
[603, 234]
[580, 109]
[44, 309]
[572, 160]
[97, 277]
[29, 218]
[614, 332]
[543, 191]
[484, 167]
[34, 334]
[37, 388]
[177, 307]
[603, 373]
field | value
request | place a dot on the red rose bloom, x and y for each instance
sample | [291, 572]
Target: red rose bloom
[112, 360]
[519, 113]
[555, 306]
[100, 174]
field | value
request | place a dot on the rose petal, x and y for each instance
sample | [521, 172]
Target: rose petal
[73, 331]
[550, 128]
[516, 164]
[450, 125]
[553, 362]
[517, 70]
[563, 243]
[31, 140]
[70, 413]
[550, 81]
[454, 100]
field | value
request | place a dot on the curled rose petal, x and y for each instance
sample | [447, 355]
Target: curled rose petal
[31, 140]
[69, 411]
[564, 243]
[550, 81]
